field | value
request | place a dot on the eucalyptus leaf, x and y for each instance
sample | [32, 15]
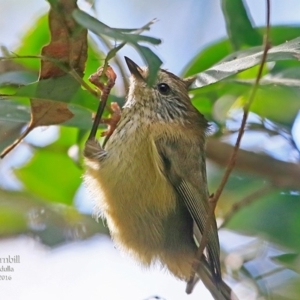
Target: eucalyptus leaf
[100, 28]
[13, 111]
[239, 26]
[207, 58]
[133, 39]
[63, 89]
[152, 60]
[17, 78]
[246, 59]
[18, 112]
[214, 53]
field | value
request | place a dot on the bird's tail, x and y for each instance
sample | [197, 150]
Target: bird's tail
[219, 290]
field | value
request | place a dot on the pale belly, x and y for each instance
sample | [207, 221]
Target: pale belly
[143, 213]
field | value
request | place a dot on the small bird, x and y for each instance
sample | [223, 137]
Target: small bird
[149, 182]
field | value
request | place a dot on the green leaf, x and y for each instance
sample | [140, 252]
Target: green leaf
[51, 174]
[14, 111]
[207, 57]
[239, 27]
[222, 106]
[203, 104]
[274, 93]
[152, 61]
[276, 90]
[17, 78]
[215, 92]
[214, 53]
[246, 59]
[64, 89]
[100, 28]
[277, 103]
[277, 218]
[286, 77]
[112, 53]
[11, 222]
[19, 112]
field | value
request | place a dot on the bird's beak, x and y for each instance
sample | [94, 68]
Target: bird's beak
[134, 69]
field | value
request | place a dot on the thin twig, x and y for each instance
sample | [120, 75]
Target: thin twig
[214, 199]
[97, 80]
[246, 110]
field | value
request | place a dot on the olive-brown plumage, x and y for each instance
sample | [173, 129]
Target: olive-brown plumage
[149, 182]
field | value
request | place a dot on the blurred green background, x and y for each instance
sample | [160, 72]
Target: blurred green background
[41, 195]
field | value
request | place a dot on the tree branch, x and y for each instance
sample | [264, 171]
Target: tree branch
[281, 174]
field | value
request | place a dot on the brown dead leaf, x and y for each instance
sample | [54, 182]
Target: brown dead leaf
[68, 41]
[68, 45]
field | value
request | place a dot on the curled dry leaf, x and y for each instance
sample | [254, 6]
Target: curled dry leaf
[107, 74]
[67, 50]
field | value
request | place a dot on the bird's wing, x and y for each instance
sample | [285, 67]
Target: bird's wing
[184, 166]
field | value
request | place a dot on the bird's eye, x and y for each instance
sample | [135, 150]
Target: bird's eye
[163, 88]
